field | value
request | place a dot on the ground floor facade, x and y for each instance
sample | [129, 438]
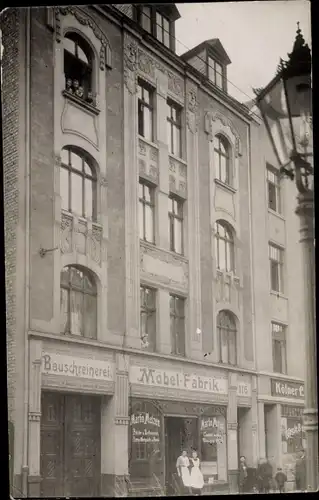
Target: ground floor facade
[111, 423]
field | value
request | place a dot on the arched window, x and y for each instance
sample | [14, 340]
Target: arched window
[78, 58]
[227, 333]
[224, 247]
[78, 302]
[77, 183]
[222, 159]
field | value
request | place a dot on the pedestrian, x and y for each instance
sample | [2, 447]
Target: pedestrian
[281, 479]
[182, 466]
[196, 480]
[243, 474]
[301, 472]
[264, 476]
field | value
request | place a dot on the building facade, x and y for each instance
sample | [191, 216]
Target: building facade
[146, 310]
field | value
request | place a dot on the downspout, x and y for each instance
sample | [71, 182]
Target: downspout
[25, 467]
[251, 245]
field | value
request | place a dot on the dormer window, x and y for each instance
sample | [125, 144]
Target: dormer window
[215, 72]
[144, 18]
[162, 29]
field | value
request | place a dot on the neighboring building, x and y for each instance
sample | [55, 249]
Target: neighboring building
[140, 315]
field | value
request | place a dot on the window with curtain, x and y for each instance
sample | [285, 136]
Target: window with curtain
[77, 184]
[148, 317]
[222, 159]
[276, 258]
[174, 127]
[78, 59]
[146, 212]
[175, 216]
[177, 317]
[224, 247]
[78, 302]
[279, 352]
[145, 110]
[227, 334]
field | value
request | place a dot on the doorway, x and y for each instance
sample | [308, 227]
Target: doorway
[70, 445]
[243, 432]
[180, 434]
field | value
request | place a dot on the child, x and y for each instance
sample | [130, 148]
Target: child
[280, 478]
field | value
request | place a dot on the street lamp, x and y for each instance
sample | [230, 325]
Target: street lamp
[286, 108]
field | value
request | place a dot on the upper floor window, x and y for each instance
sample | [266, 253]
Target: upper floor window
[224, 247]
[144, 17]
[215, 72]
[177, 317]
[78, 302]
[175, 215]
[146, 212]
[78, 59]
[222, 159]
[162, 29]
[279, 354]
[77, 184]
[276, 259]
[148, 317]
[174, 126]
[273, 190]
[145, 110]
[227, 333]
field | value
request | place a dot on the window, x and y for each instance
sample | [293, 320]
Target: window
[77, 184]
[177, 316]
[276, 268]
[175, 216]
[273, 188]
[78, 302]
[279, 348]
[144, 17]
[226, 326]
[148, 317]
[162, 29]
[145, 111]
[174, 125]
[215, 72]
[146, 212]
[224, 247]
[222, 159]
[78, 66]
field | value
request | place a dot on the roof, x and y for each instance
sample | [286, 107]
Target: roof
[214, 44]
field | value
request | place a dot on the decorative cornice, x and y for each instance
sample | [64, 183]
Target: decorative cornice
[85, 20]
[217, 116]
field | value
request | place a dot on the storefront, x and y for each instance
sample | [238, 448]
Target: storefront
[71, 395]
[174, 409]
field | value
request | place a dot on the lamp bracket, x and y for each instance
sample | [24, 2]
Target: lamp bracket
[44, 251]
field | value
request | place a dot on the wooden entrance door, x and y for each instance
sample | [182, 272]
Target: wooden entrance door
[70, 445]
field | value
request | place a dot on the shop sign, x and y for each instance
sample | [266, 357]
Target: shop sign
[291, 411]
[287, 389]
[212, 430]
[178, 380]
[244, 389]
[70, 366]
[291, 430]
[145, 428]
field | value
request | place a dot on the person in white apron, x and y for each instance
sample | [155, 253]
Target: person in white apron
[182, 466]
[196, 476]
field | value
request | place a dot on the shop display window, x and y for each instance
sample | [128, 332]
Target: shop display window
[213, 447]
[292, 430]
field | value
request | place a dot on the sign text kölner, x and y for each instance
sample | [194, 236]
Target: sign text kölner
[287, 389]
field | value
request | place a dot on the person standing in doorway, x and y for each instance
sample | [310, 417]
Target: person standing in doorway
[196, 476]
[281, 479]
[182, 466]
[243, 474]
[301, 472]
[264, 476]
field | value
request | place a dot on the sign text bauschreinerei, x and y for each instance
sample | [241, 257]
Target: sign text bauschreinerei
[178, 380]
[70, 366]
[290, 390]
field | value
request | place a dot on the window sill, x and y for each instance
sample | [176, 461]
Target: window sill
[276, 214]
[153, 246]
[77, 100]
[226, 187]
[228, 274]
[148, 142]
[80, 218]
[177, 158]
[279, 295]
